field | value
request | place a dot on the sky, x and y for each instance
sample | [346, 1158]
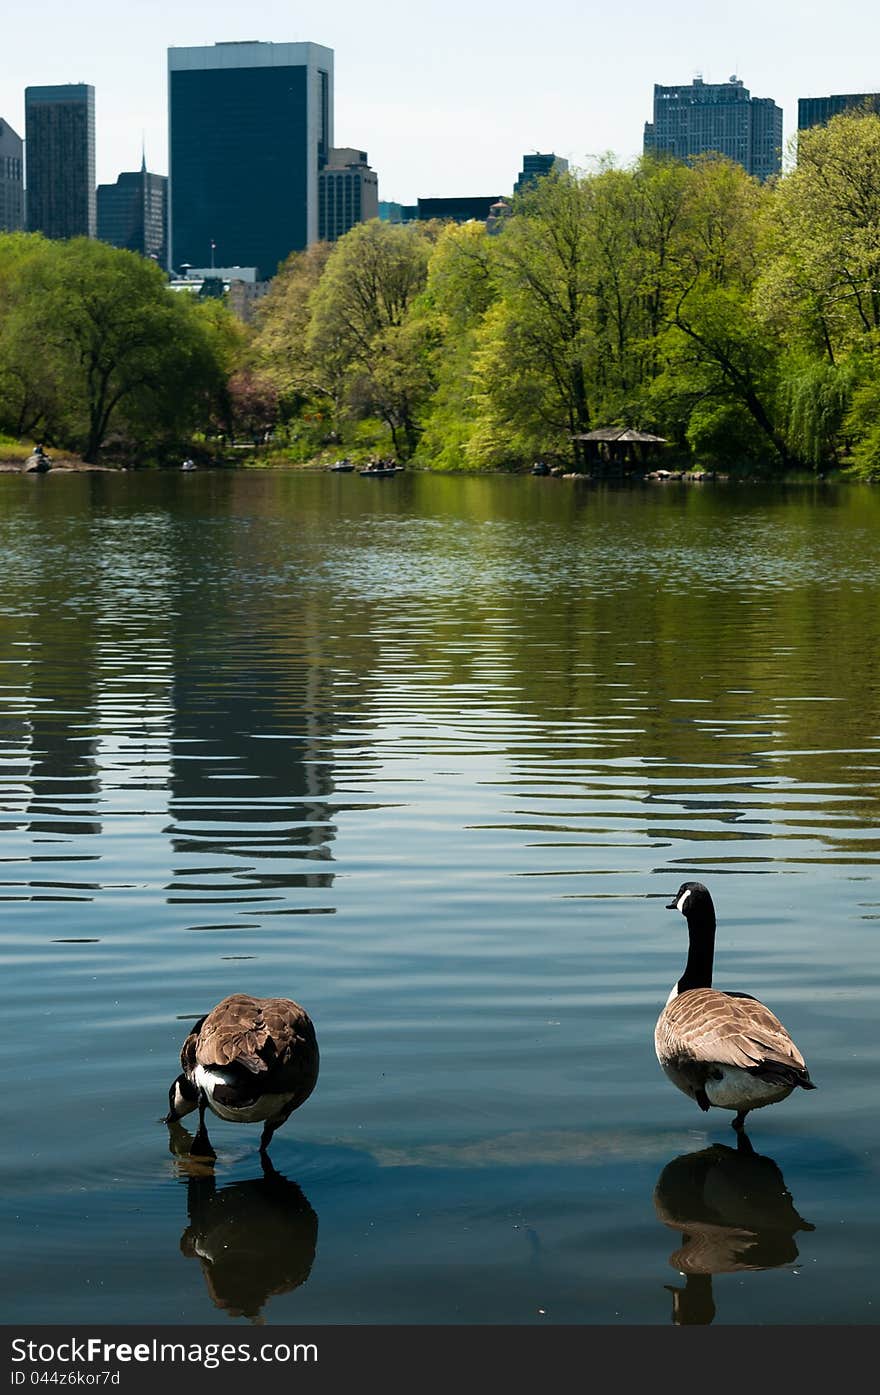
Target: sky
[447, 95]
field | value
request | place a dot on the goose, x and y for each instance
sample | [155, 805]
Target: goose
[733, 1212]
[250, 1060]
[722, 1048]
[254, 1239]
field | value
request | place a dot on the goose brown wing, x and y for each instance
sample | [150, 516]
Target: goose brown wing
[236, 1031]
[727, 1029]
[294, 1046]
[261, 1034]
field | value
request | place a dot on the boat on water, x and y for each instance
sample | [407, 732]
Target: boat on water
[38, 462]
[341, 467]
[381, 469]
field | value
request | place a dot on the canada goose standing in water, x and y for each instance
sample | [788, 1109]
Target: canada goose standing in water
[251, 1060]
[722, 1049]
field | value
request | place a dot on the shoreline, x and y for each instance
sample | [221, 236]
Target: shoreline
[70, 465]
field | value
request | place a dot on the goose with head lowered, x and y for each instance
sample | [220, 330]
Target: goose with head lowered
[722, 1048]
[250, 1060]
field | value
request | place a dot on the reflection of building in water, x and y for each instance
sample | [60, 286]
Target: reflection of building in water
[734, 1213]
[253, 1239]
[251, 769]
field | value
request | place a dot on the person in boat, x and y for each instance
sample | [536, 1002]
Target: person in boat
[38, 461]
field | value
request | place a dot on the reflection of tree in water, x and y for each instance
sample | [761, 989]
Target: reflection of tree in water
[253, 1239]
[734, 1213]
[57, 727]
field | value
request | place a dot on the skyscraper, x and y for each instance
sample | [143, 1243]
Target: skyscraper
[60, 160]
[132, 213]
[766, 138]
[11, 180]
[250, 126]
[535, 166]
[717, 117]
[818, 111]
[348, 193]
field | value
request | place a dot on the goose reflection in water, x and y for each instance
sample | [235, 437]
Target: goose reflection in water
[734, 1213]
[253, 1239]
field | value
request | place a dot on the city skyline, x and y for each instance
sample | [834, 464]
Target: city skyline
[447, 100]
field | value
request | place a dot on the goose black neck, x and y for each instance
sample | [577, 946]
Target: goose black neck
[701, 952]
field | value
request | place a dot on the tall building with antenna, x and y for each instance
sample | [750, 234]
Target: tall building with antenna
[133, 213]
[717, 118]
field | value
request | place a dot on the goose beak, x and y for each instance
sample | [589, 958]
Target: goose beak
[673, 904]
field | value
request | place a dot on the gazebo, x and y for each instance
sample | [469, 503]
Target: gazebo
[619, 445]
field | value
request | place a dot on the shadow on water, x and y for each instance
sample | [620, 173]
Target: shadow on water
[734, 1213]
[254, 1239]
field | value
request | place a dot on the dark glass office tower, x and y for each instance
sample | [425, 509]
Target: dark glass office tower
[132, 213]
[60, 160]
[250, 125]
[535, 167]
[818, 111]
[11, 180]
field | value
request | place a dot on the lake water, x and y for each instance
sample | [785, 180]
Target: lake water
[430, 755]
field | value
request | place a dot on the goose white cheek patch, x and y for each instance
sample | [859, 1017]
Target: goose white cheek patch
[682, 901]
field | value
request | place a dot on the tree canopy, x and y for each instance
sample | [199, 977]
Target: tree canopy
[93, 344]
[740, 321]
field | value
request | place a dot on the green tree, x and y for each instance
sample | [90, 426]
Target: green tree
[535, 354]
[29, 394]
[460, 288]
[279, 351]
[358, 336]
[826, 280]
[93, 342]
[820, 293]
[717, 348]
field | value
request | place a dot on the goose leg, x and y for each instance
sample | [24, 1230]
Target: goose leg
[201, 1144]
[743, 1142]
[266, 1137]
[739, 1122]
[272, 1124]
